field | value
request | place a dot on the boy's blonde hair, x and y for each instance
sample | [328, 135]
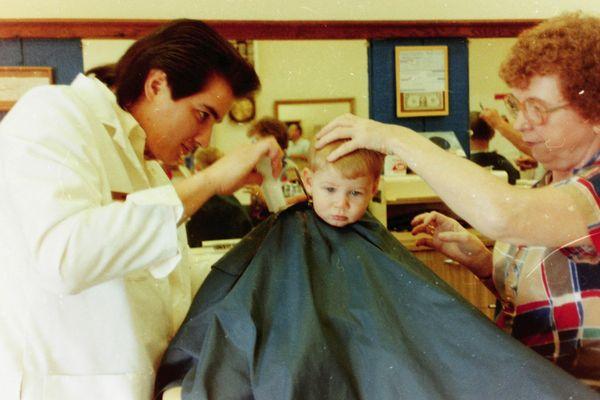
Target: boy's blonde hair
[359, 163]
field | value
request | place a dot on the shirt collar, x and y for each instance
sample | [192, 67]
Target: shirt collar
[595, 160]
[104, 103]
[120, 124]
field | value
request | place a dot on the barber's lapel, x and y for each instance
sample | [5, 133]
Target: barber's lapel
[121, 139]
[102, 101]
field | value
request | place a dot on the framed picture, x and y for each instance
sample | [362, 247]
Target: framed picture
[421, 81]
[15, 81]
[314, 113]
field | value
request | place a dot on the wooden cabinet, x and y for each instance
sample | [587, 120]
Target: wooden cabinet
[461, 279]
[456, 275]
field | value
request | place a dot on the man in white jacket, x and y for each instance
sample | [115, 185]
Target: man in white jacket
[94, 276]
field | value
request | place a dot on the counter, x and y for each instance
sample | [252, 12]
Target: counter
[407, 190]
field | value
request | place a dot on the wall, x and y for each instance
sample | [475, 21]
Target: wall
[99, 52]
[64, 56]
[485, 57]
[288, 69]
[382, 87]
[300, 10]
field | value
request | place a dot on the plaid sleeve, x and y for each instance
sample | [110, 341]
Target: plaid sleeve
[589, 182]
[592, 184]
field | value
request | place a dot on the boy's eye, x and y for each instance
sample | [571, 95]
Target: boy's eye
[330, 189]
[356, 193]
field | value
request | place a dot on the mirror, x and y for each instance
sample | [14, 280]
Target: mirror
[312, 114]
[325, 70]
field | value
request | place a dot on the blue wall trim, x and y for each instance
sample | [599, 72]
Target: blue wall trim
[63, 55]
[382, 87]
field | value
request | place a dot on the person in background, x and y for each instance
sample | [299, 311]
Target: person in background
[545, 267]
[222, 216]
[298, 146]
[95, 273]
[269, 126]
[265, 127]
[480, 138]
[272, 127]
[501, 124]
[342, 190]
[204, 157]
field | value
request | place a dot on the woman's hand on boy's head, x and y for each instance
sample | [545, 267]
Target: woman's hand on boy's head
[361, 133]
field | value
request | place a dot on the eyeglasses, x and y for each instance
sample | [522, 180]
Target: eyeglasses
[534, 110]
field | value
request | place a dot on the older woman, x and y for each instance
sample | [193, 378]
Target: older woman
[545, 266]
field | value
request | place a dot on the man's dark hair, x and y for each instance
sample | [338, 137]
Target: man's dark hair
[104, 73]
[190, 53]
[481, 129]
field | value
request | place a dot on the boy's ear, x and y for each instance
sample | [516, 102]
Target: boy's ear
[375, 185]
[307, 176]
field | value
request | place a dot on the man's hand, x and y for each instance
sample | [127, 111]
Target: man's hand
[238, 168]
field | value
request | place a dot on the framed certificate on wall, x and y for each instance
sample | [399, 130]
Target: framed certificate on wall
[15, 81]
[421, 81]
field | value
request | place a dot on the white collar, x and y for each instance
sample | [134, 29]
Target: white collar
[104, 104]
[120, 125]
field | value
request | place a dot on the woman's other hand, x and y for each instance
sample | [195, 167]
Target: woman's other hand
[525, 163]
[447, 236]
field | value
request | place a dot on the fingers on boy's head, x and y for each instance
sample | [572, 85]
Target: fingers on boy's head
[360, 162]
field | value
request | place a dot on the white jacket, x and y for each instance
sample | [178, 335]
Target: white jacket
[91, 288]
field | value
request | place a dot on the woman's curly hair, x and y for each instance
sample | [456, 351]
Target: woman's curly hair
[567, 46]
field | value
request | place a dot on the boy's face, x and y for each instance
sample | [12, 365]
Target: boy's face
[339, 201]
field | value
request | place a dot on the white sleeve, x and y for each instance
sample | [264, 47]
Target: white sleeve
[74, 235]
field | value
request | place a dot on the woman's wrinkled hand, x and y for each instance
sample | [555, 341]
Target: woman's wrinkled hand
[525, 163]
[447, 236]
[361, 133]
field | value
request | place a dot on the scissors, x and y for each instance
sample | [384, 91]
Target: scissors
[302, 184]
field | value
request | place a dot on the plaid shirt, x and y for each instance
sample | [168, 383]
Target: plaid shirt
[551, 297]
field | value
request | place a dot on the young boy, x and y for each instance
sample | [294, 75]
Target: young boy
[341, 190]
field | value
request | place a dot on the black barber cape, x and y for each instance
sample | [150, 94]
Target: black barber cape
[303, 310]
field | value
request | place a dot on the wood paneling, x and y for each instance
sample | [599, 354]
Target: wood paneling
[461, 279]
[131, 29]
[456, 275]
